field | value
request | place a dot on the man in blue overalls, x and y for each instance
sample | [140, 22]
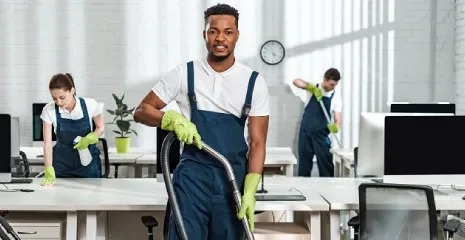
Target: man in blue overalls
[315, 129]
[216, 96]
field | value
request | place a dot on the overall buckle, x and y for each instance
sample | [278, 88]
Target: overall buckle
[246, 110]
[192, 98]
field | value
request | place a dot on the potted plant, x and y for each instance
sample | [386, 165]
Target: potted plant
[121, 114]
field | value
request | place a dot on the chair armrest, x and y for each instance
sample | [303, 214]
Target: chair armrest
[354, 222]
[452, 226]
[27, 166]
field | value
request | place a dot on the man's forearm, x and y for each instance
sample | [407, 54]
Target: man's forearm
[257, 153]
[337, 119]
[148, 115]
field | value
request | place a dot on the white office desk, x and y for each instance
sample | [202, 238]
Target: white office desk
[343, 162]
[149, 195]
[60, 198]
[342, 195]
[275, 157]
[115, 159]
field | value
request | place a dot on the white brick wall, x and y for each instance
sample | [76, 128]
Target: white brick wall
[383, 49]
[460, 56]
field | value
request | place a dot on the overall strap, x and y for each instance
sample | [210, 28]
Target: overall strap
[58, 115]
[85, 112]
[190, 85]
[248, 98]
[332, 94]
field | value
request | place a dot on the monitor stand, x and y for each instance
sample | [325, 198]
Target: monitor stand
[5, 177]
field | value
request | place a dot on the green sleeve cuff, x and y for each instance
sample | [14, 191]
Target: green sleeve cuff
[251, 183]
[310, 87]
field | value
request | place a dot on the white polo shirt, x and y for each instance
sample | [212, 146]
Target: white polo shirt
[223, 92]
[48, 113]
[336, 102]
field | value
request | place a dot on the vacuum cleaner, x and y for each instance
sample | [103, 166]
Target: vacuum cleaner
[4, 223]
[164, 155]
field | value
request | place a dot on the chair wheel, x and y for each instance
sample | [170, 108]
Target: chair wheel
[149, 221]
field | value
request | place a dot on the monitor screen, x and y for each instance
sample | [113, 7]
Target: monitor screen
[424, 145]
[5, 141]
[174, 151]
[423, 108]
[37, 133]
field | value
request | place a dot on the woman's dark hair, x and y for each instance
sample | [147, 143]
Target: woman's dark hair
[62, 81]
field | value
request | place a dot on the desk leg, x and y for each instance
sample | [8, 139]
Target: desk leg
[91, 225]
[152, 171]
[289, 170]
[335, 225]
[315, 227]
[71, 226]
[138, 171]
[337, 165]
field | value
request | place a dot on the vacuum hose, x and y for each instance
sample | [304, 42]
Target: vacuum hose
[164, 155]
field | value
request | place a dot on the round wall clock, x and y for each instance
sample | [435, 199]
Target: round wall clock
[272, 52]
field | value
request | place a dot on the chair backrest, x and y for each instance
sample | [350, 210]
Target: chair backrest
[397, 211]
[102, 145]
[355, 160]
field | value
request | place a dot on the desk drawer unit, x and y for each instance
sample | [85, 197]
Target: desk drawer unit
[39, 229]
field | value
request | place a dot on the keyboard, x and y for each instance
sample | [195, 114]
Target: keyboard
[292, 197]
[18, 181]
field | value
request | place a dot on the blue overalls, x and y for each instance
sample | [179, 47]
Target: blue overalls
[314, 139]
[66, 161]
[200, 181]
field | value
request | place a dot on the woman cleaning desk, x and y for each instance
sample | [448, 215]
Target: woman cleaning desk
[71, 116]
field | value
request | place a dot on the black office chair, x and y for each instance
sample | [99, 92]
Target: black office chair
[20, 166]
[454, 226]
[102, 145]
[150, 222]
[397, 211]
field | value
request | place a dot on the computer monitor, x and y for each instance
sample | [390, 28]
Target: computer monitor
[406, 107]
[429, 153]
[370, 158]
[5, 154]
[37, 125]
[173, 155]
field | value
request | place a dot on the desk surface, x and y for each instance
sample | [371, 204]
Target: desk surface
[274, 156]
[342, 193]
[347, 154]
[121, 195]
[148, 194]
[62, 197]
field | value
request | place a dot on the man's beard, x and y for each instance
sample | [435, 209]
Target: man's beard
[214, 58]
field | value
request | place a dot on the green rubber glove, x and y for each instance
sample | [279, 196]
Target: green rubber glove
[49, 176]
[183, 128]
[315, 91]
[333, 128]
[90, 138]
[248, 199]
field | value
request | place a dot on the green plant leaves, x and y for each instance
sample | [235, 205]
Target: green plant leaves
[120, 113]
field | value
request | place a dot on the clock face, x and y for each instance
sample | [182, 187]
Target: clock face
[272, 52]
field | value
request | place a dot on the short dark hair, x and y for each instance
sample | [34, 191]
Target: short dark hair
[62, 81]
[332, 74]
[221, 9]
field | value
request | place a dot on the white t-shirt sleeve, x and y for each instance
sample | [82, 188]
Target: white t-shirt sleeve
[337, 102]
[92, 107]
[45, 115]
[260, 98]
[167, 88]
